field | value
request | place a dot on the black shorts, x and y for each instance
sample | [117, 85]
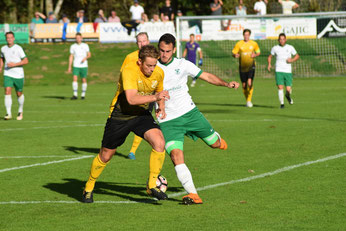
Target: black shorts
[116, 131]
[244, 76]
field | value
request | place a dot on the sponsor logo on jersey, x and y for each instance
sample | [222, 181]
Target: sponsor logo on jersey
[177, 71]
[154, 83]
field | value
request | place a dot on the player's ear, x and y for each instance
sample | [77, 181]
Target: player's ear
[174, 50]
[139, 61]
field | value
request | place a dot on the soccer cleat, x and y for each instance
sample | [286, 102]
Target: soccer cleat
[131, 156]
[223, 145]
[157, 193]
[192, 198]
[74, 97]
[249, 104]
[7, 117]
[20, 116]
[88, 197]
[83, 97]
[282, 106]
[288, 97]
[192, 84]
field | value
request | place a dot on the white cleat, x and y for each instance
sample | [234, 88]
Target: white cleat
[7, 117]
[20, 116]
[249, 104]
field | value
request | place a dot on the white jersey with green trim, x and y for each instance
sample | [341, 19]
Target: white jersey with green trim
[79, 52]
[13, 54]
[282, 53]
[175, 82]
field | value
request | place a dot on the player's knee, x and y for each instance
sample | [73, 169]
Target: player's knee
[159, 145]
[106, 154]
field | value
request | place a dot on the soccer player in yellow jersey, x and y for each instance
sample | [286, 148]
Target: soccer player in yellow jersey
[140, 83]
[247, 50]
[142, 39]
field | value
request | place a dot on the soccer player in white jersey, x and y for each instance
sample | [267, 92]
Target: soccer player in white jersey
[14, 58]
[183, 117]
[79, 55]
[285, 54]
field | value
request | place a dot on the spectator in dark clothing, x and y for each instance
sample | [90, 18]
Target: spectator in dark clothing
[167, 12]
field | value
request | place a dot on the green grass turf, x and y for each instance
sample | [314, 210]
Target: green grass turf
[261, 139]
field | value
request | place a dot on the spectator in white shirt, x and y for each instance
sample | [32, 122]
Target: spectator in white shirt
[136, 11]
[288, 6]
[260, 7]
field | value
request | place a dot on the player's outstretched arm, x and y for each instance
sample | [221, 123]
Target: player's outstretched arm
[213, 79]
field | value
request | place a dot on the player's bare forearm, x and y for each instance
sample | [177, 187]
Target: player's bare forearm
[269, 62]
[295, 58]
[200, 54]
[70, 61]
[160, 111]
[213, 79]
[133, 98]
[184, 53]
[1, 64]
[19, 64]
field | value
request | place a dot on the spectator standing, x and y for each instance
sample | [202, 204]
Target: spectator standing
[81, 17]
[288, 6]
[179, 13]
[155, 18]
[113, 17]
[100, 17]
[51, 18]
[136, 11]
[260, 7]
[38, 19]
[167, 12]
[64, 19]
[216, 7]
[240, 9]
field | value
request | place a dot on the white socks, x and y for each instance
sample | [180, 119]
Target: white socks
[8, 104]
[281, 96]
[75, 88]
[21, 103]
[185, 178]
[84, 88]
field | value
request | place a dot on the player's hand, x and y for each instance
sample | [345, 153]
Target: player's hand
[233, 84]
[160, 113]
[269, 67]
[289, 60]
[236, 55]
[11, 65]
[83, 60]
[253, 55]
[200, 63]
[162, 95]
[69, 70]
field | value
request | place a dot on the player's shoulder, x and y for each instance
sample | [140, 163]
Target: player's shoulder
[159, 71]
[253, 42]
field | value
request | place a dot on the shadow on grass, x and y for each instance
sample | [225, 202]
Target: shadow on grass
[54, 97]
[81, 150]
[129, 191]
[231, 105]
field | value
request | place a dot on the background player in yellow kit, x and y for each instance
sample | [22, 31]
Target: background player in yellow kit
[247, 50]
[142, 39]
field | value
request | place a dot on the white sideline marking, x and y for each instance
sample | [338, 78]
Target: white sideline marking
[42, 164]
[67, 126]
[280, 170]
[27, 157]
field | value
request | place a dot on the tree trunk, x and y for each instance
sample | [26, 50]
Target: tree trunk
[49, 6]
[58, 7]
[30, 10]
[41, 6]
[13, 15]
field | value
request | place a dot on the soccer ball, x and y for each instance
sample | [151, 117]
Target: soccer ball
[161, 183]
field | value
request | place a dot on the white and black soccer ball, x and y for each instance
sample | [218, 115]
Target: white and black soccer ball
[161, 183]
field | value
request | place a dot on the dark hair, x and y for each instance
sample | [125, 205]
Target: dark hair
[142, 33]
[78, 33]
[148, 51]
[167, 38]
[282, 34]
[10, 32]
[192, 35]
[246, 30]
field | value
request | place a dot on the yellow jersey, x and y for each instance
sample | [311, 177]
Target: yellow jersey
[132, 57]
[131, 77]
[245, 49]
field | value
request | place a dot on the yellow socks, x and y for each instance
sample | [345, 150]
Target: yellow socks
[97, 167]
[136, 142]
[155, 166]
[249, 96]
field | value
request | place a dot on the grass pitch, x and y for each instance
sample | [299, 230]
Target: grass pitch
[45, 161]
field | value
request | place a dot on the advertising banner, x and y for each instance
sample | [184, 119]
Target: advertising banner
[56, 32]
[294, 28]
[115, 32]
[21, 32]
[331, 27]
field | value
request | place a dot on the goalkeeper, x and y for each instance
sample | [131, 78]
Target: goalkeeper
[190, 53]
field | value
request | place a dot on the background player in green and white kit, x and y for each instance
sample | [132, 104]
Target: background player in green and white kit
[283, 67]
[14, 58]
[79, 55]
[183, 117]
